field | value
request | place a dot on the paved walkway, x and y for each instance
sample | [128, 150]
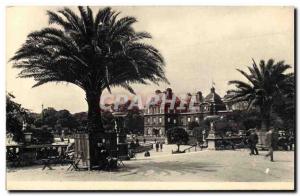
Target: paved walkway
[204, 166]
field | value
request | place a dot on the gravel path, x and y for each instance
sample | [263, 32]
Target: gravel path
[204, 166]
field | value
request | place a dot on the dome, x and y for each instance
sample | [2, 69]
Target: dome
[213, 97]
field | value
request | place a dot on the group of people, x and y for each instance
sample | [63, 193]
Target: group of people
[270, 142]
[158, 145]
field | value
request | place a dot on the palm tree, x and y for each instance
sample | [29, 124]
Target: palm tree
[264, 83]
[92, 52]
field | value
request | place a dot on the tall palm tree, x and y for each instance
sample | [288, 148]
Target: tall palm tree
[264, 82]
[93, 52]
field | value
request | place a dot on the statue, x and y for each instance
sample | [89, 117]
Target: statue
[212, 127]
[116, 125]
[24, 126]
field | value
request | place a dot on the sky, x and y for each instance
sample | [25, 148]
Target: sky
[200, 45]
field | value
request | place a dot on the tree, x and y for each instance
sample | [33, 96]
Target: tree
[42, 135]
[264, 83]
[15, 116]
[108, 120]
[284, 107]
[13, 121]
[192, 125]
[93, 53]
[245, 120]
[178, 136]
[81, 118]
[134, 121]
[49, 117]
[66, 120]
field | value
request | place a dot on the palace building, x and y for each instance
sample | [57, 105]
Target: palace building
[167, 110]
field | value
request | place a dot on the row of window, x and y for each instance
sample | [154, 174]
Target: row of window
[158, 110]
[154, 120]
[155, 110]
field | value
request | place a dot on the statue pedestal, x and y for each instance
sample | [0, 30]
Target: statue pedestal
[261, 140]
[212, 140]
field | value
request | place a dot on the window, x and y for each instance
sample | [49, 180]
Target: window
[169, 119]
[197, 119]
[160, 120]
[189, 119]
[174, 121]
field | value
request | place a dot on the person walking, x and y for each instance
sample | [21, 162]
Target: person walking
[157, 146]
[144, 140]
[253, 140]
[270, 143]
[137, 142]
[161, 146]
[291, 142]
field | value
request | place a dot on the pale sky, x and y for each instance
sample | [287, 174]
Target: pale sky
[199, 44]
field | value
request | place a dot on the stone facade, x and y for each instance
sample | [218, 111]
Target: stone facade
[159, 117]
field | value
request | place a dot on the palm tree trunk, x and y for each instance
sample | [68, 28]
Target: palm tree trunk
[265, 124]
[265, 118]
[94, 124]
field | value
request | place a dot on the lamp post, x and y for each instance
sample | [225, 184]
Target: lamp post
[119, 126]
[203, 136]
[122, 145]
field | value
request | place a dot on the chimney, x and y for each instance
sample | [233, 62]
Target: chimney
[199, 97]
[169, 93]
[157, 92]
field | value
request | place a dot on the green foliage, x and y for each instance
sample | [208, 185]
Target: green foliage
[264, 83]
[15, 115]
[284, 113]
[93, 52]
[108, 120]
[192, 125]
[177, 136]
[81, 118]
[56, 120]
[134, 122]
[66, 119]
[42, 135]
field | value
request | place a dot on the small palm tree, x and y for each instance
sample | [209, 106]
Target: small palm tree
[264, 83]
[92, 52]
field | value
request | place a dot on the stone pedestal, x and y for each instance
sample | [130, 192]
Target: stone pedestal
[212, 140]
[261, 140]
[166, 140]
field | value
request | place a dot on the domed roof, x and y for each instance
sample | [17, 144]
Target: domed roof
[213, 97]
